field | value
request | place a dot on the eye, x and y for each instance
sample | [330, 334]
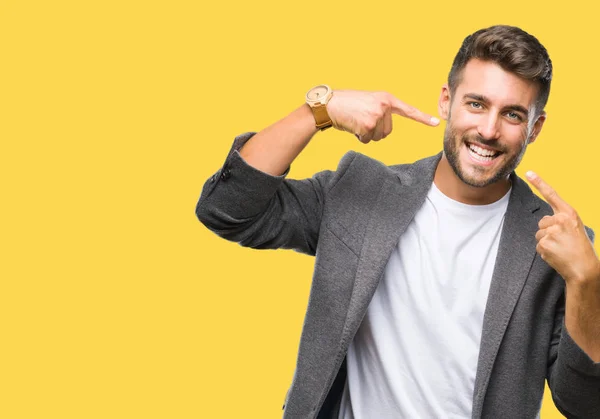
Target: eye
[515, 116]
[475, 105]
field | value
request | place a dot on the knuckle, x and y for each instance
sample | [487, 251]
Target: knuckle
[384, 106]
[574, 223]
[377, 111]
[541, 250]
[378, 114]
[383, 96]
[370, 125]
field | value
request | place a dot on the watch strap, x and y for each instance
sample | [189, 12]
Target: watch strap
[322, 119]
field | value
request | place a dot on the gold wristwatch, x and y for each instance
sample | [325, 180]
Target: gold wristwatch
[317, 98]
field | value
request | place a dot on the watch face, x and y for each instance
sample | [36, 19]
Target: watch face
[317, 93]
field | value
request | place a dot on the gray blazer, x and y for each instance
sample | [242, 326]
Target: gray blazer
[351, 219]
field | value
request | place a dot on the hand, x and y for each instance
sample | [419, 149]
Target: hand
[562, 241]
[368, 115]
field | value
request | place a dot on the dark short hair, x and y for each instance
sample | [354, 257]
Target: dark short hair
[511, 48]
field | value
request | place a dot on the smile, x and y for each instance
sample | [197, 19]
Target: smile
[480, 154]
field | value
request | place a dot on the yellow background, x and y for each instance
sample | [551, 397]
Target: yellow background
[115, 301]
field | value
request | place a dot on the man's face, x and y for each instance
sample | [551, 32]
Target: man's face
[490, 122]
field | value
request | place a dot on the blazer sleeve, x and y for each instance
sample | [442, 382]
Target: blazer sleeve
[255, 209]
[573, 377]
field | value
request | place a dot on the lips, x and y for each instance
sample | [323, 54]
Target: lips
[481, 154]
[483, 151]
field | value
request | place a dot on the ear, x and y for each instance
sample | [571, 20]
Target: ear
[444, 102]
[537, 127]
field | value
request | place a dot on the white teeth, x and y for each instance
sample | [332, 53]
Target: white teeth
[481, 151]
[478, 157]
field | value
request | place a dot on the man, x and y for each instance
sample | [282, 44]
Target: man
[443, 288]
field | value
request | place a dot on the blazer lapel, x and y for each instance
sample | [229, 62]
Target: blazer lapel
[516, 253]
[400, 197]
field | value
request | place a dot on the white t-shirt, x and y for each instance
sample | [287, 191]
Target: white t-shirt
[415, 353]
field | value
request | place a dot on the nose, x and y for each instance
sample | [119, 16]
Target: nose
[488, 126]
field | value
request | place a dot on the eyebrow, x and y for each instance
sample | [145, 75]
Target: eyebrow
[481, 98]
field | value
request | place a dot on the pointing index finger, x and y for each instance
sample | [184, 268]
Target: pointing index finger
[549, 194]
[401, 108]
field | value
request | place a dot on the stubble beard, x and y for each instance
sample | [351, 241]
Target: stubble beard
[452, 153]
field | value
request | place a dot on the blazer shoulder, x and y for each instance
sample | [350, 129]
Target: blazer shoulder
[369, 164]
[358, 165]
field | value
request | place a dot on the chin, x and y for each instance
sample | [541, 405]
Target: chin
[478, 181]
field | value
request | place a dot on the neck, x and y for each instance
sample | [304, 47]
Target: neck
[453, 187]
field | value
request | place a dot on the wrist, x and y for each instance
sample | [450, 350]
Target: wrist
[307, 119]
[587, 277]
[317, 99]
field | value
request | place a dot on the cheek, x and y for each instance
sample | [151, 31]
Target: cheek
[462, 121]
[515, 135]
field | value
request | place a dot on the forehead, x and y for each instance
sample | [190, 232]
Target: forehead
[499, 86]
